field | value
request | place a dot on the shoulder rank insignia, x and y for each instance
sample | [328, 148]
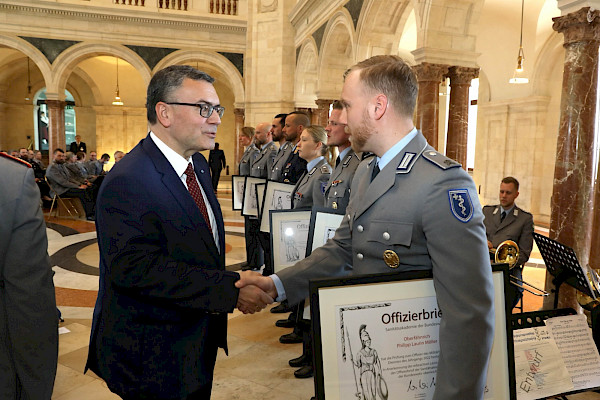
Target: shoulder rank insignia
[20, 161]
[406, 162]
[461, 204]
[324, 169]
[440, 160]
[312, 171]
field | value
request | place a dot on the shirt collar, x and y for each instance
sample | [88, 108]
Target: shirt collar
[345, 152]
[310, 165]
[396, 149]
[178, 163]
[265, 145]
[507, 210]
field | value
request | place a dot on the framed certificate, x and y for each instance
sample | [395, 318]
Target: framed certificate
[260, 195]
[237, 191]
[289, 237]
[323, 224]
[249, 201]
[361, 323]
[278, 196]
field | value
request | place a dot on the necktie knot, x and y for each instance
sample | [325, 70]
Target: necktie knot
[502, 216]
[375, 171]
[337, 161]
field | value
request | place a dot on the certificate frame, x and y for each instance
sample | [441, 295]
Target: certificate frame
[272, 190]
[322, 219]
[260, 195]
[249, 202]
[237, 192]
[287, 243]
[329, 295]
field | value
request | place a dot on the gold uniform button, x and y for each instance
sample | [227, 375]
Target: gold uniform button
[391, 259]
[386, 236]
[334, 205]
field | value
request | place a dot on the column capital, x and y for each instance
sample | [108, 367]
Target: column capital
[429, 72]
[582, 25]
[239, 112]
[323, 103]
[462, 75]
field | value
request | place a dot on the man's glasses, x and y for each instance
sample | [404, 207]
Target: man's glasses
[206, 110]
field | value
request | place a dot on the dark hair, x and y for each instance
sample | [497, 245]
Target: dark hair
[80, 155]
[337, 105]
[166, 81]
[282, 116]
[302, 119]
[391, 76]
[58, 151]
[105, 155]
[514, 181]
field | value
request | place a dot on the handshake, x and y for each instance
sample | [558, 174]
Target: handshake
[256, 292]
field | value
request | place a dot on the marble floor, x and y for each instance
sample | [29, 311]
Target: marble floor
[257, 365]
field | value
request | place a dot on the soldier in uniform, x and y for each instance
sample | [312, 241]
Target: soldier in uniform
[337, 191]
[294, 167]
[411, 208]
[254, 253]
[28, 318]
[285, 147]
[312, 147]
[506, 221]
[260, 169]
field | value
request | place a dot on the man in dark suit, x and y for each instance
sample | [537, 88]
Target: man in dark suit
[216, 160]
[78, 146]
[506, 221]
[28, 319]
[164, 294]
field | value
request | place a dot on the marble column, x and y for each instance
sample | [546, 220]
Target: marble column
[573, 189]
[458, 113]
[429, 77]
[239, 124]
[322, 112]
[56, 126]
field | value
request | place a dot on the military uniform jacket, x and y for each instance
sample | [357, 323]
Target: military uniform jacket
[60, 179]
[28, 320]
[279, 162]
[248, 158]
[424, 208]
[264, 161]
[337, 191]
[309, 189]
[517, 226]
[294, 168]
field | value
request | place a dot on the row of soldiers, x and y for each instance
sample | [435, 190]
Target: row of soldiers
[262, 158]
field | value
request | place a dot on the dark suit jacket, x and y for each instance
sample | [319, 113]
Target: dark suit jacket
[216, 159]
[164, 292]
[73, 148]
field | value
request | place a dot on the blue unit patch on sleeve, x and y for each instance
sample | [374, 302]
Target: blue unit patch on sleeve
[323, 186]
[461, 204]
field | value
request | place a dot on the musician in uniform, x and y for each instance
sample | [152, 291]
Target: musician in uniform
[420, 212]
[506, 221]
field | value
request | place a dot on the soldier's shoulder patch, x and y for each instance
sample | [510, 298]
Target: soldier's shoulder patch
[461, 205]
[15, 159]
[323, 187]
[440, 160]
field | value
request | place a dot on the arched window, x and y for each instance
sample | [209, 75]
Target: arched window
[41, 120]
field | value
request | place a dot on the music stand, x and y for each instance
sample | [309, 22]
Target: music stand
[561, 261]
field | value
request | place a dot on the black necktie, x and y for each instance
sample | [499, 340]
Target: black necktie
[375, 171]
[502, 216]
[337, 161]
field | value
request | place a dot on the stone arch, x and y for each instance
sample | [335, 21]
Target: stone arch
[30, 51]
[306, 77]
[67, 61]
[543, 72]
[380, 26]
[336, 55]
[216, 63]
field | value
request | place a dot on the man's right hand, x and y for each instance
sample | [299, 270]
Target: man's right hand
[256, 279]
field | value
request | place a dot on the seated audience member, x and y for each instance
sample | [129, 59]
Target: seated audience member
[38, 172]
[506, 221]
[31, 154]
[93, 166]
[103, 161]
[63, 185]
[73, 170]
[38, 159]
[80, 161]
[118, 155]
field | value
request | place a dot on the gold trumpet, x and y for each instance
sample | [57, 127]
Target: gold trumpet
[507, 252]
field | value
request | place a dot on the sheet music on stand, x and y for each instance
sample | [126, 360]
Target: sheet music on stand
[561, 261]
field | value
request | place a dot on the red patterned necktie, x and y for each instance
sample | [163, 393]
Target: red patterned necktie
[194, 189]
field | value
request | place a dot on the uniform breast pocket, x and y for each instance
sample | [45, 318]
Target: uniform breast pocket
[390, 234]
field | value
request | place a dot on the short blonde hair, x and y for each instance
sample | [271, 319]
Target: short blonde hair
[247, 131]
